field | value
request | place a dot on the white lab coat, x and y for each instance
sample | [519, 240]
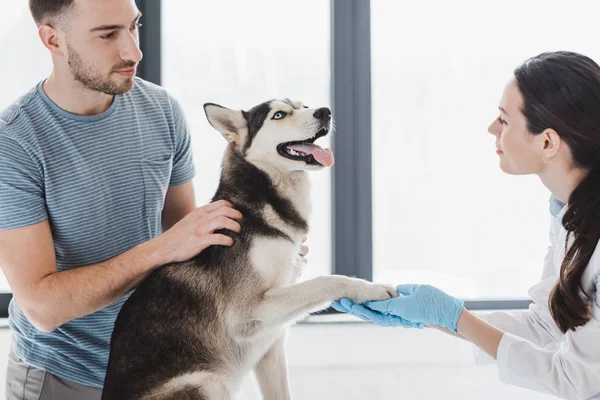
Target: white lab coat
[533, 353]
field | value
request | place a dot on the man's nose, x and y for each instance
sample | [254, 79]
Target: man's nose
[130, 49]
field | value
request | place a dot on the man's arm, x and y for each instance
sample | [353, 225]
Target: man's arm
[50, 298]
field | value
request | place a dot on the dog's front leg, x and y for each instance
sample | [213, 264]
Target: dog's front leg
[285, 305]
[272, 374]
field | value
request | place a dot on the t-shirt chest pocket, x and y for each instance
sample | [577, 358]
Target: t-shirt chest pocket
[156, 174]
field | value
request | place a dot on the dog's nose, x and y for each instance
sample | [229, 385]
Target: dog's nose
[323, 113]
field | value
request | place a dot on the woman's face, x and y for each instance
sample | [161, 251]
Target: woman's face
[519, 150]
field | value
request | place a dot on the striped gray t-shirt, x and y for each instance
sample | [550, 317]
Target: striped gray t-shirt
[100, 181]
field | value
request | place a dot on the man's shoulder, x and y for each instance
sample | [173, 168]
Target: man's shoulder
[17, 116]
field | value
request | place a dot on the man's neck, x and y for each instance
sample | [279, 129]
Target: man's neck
[73, 97]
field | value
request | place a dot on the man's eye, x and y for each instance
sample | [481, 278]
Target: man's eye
[136, 26]
[279, 115]
[108, 35]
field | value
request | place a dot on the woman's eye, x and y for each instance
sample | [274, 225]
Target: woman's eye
[502, 122]
[279, 115]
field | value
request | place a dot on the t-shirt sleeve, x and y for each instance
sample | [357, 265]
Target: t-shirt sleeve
[22, 199]
[183, 160]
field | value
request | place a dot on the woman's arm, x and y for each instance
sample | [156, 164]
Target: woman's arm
[479, 332]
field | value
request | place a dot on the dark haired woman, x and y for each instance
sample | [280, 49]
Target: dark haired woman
[548, 125]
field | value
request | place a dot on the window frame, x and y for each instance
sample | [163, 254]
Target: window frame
[352, 226]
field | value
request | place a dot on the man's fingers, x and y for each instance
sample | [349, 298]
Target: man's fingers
[210, 207]
[216, 239]
[225, 212]
[220, 223]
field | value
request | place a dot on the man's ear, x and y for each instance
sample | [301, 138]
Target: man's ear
[49, 37]
[228, 122]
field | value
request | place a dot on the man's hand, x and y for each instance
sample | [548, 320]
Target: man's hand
[195, 232]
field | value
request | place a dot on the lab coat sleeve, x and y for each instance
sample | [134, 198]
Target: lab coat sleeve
[570, 370]
[535, 324]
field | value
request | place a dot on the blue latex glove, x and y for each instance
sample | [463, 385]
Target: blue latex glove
[348, 306]
[421, 303]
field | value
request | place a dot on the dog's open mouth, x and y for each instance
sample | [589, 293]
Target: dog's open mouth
[307, 151]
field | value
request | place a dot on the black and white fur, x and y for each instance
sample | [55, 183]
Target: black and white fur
[193, 330]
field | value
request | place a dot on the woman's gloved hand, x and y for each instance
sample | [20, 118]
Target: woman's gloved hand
[424, 304]
[348, 306]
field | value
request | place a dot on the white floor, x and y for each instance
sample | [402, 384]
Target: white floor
[347, 361]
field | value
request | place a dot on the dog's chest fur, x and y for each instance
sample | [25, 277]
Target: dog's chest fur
[276, 259]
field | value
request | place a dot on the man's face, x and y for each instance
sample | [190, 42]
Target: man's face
[103, 44]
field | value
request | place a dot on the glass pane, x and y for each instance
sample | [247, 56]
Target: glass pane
[444, 213]
[239, 59]
[25, 61]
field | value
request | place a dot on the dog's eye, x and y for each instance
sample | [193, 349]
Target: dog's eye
[279, 115]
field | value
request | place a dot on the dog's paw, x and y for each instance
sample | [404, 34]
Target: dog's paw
[362, 291]
[300, 265]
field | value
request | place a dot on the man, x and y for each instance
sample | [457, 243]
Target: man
[95, 193]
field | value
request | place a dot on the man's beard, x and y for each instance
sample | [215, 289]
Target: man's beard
[93, 79]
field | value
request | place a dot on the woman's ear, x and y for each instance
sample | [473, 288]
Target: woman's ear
[551, 144]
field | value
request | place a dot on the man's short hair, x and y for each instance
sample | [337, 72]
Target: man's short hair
[49, 11]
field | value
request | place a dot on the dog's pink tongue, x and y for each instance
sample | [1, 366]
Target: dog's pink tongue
[323, 156]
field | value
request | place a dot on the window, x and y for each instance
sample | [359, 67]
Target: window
[443, 212]
[265, 49]
[25, 61]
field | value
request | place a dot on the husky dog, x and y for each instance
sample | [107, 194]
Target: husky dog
[193, 330]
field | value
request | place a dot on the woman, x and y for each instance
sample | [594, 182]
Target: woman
[548, 125]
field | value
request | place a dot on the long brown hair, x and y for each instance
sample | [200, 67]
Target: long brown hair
[561, 91]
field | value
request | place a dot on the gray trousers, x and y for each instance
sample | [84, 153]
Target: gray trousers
[25, 382]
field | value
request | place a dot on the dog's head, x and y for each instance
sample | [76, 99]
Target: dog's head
[280, 133]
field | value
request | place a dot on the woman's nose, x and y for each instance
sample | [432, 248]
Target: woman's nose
[494, 128]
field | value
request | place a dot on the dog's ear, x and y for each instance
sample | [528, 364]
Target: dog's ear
[228, 122]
